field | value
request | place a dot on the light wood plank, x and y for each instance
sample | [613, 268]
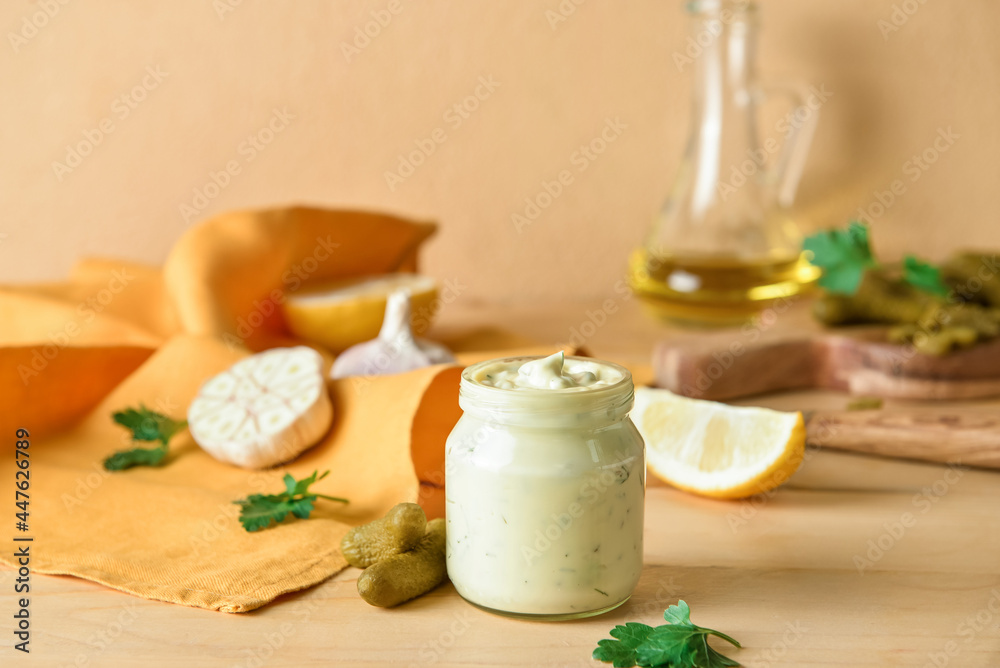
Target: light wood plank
[779, 573]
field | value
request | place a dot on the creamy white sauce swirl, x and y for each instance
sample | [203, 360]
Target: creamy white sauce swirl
[548, 373]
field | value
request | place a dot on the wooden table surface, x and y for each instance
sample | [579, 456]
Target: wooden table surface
[856, 561]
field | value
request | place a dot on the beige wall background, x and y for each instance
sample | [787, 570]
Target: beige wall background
[225, 66]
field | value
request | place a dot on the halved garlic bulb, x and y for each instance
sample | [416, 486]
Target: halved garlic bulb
[264, 410]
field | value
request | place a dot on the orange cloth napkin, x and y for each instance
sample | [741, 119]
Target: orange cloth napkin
[118, 334]
[225, 278]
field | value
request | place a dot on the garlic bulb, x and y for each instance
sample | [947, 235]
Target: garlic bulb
[395, 350]
[264, 410]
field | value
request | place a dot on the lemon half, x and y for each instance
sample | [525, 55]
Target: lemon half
[716, 450]
[343, 313]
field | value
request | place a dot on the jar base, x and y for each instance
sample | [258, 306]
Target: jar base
[549, 617]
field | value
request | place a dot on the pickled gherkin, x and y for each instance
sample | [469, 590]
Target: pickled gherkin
[932, 325]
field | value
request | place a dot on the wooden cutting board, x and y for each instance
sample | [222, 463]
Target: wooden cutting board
[945, 435]
[800, 354]
[732, 364]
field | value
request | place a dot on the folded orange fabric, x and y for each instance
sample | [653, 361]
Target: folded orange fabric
[226, 277]
[117, 335]
[172, 532]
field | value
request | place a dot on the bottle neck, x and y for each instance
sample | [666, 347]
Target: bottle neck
[724, 41]
[724, 128]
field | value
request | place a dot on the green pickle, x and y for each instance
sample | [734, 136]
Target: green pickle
[400, 530]
[401, 577]
[932, 325]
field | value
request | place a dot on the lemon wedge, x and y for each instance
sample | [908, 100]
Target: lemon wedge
[344, 313]
[716, 450]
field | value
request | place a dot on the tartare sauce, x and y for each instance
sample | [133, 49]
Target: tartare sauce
[544, 488]
[547, 373]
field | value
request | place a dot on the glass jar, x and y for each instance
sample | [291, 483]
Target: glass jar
[544, 495]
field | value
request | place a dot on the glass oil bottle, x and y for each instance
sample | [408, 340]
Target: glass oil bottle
[724, 245]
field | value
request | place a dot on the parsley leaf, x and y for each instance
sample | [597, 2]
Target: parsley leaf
[126, 459]
[924, 276]
[678, 614]
[621, 652]
[677, 644]
[257, 511]
[681, 646]
[842, 255]
[145, 425]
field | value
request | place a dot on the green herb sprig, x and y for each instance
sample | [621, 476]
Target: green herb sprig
[145, 425]
[257, 511]
[845, 255]
[677, 644]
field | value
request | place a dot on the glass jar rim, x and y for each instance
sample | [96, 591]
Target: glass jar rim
[505, 405]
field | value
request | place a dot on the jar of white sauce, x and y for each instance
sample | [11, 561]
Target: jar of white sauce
[545, 481]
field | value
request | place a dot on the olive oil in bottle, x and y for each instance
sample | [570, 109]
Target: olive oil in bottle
[715, 290]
